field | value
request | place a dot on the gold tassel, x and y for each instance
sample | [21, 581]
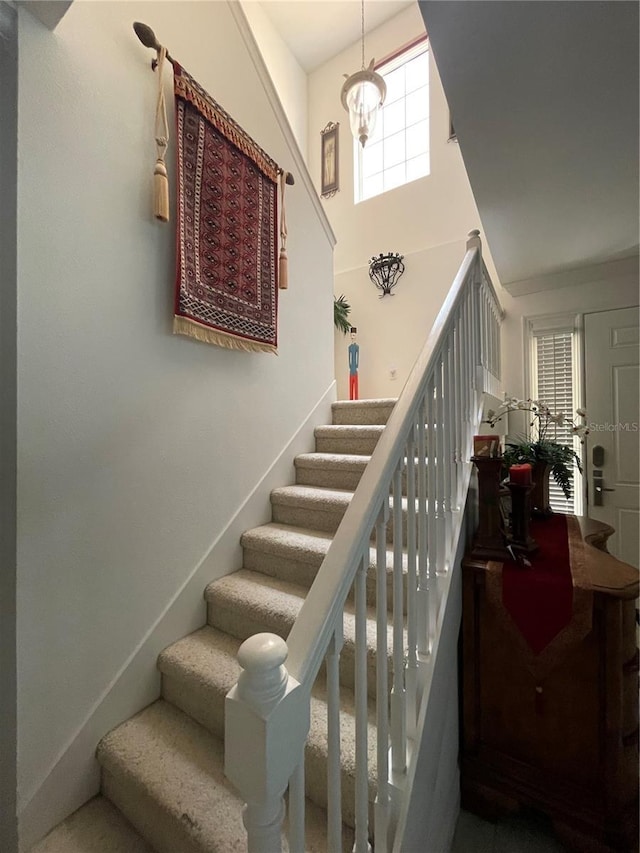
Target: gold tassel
[283, 270]
[161, 192]
[160, 177]
[283, 264]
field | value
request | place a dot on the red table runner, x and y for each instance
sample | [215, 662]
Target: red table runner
[539, 598]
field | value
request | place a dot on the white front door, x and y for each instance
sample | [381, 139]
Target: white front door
[612, 377]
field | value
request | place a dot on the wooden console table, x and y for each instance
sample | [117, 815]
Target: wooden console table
[563, 739]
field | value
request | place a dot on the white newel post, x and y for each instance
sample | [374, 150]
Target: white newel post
[266, 725]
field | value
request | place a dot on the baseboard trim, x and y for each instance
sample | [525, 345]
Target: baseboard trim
[74, 776]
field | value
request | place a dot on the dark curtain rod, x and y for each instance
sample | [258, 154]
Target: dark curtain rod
[148, 39]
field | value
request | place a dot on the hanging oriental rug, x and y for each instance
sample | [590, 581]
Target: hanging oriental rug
[226, 287]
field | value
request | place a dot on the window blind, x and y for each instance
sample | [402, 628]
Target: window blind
[553, 360]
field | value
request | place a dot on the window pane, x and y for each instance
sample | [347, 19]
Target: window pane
[394, 177]
[378, 129]
[392, 155]
[554, 380]
[394, 117]
[395, 85]
[417, 139]
[418, 105]
[394, 149]
[372, 159]
[418, 167]
[417, 72]
[372, 186]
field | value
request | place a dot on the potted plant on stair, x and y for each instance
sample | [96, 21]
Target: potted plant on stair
[545, 455]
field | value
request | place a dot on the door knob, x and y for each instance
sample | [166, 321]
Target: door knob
[599, 488]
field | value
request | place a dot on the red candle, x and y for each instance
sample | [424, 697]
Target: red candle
[520, 475]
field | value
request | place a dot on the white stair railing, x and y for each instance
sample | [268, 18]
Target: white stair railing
[410, 500]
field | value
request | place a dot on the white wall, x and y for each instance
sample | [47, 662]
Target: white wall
[390, 333]
[288, 77]
[136, 447]
[8, 342]
[426, 221]
[598, 295]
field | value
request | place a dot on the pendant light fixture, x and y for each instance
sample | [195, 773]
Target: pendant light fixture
[362, 96]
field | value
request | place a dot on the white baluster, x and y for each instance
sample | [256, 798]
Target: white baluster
[441, 520]
[432, 491]
[457, 388]
[467, 344]
[362, 763]
[485, 331]
[422, 596]
[448, 426]
[334, 775]
[269, 710]
[412, 586]
[398, 695]
[382, 682]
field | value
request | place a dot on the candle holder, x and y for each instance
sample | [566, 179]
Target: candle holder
[489, 541]
[520, 515]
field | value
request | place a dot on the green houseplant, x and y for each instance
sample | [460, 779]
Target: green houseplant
[539, 450]
[341, 311]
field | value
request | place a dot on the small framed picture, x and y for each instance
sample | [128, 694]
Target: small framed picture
[330, 182]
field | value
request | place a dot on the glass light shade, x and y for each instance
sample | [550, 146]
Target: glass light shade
[362, 96]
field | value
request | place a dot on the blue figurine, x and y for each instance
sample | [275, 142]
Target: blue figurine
[354, 361]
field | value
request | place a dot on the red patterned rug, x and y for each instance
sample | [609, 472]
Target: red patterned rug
[226, 288]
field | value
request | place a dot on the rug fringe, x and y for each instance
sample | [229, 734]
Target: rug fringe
[184, 326]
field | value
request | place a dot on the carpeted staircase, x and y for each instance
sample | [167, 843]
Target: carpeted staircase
[163, 769]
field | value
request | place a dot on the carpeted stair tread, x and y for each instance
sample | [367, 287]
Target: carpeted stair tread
[318, 508]
[359, 439]
[295, 554]
[346, 461]
[97, 827]
[293, 495]
[280, 540]
[310, 546]
[168, 773]
[310, 506]
[353, 430]
[198, 672]
[362, 411]
[165, 772]
[246, 603]
[330, 470]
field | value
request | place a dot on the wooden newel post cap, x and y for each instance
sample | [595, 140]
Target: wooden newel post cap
[264, 676]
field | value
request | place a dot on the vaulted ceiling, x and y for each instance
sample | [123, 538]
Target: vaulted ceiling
[317, 30]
